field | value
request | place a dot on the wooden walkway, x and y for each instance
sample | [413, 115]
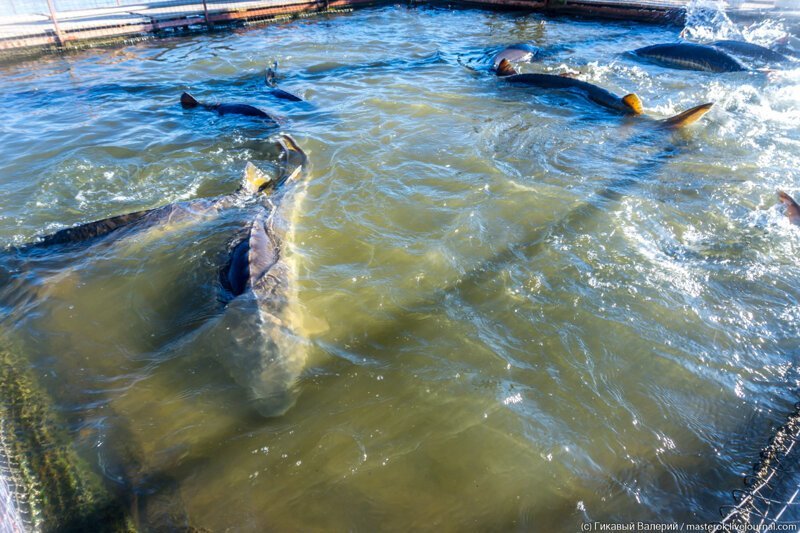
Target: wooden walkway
[56, 29]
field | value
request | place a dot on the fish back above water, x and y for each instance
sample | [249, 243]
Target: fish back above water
[270, 78]
[190, 102]
[750, 51]
[629, 104]
[690, 56]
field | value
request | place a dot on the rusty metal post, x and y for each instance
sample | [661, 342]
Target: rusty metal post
[205, 11]
[54, 18]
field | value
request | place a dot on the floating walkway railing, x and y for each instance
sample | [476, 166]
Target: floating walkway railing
[59, 24]
[46, 26]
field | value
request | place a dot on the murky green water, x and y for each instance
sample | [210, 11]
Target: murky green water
[492, 344]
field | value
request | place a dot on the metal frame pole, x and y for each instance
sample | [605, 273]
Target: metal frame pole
[205, 11]
[59, 35]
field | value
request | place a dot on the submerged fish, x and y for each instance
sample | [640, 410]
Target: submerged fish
[792, 208]
[259, 321]
[788, 44]
[629, 104]
[270, 79]
[254, 182]
[189, 102]
[750, 51]
[516, 53]
[690, 56]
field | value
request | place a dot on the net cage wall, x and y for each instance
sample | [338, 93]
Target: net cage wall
[770, 500]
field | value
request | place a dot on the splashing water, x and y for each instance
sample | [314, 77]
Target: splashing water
[706, 20]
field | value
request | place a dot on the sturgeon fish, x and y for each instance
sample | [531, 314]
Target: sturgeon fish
[190, 102]
[629, 104]
[254, 337]
[690, 56]
[258, 321]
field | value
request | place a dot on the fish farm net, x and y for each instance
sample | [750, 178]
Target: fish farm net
[770, 500]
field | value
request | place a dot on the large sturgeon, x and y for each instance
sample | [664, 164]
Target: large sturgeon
[256, 338]
[629, 104]
[190, 102]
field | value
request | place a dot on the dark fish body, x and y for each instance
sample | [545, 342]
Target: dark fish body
[270, 79]
[750, 51]
[239, 109]
[261, 349]
[630, 104]
[283, 95]
[592, 92]
[690, 56]
[516, 53]
[189, 102]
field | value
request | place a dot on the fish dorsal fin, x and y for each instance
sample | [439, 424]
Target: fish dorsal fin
[634, 103]
[255, 180]
[792, 209]
[690, 116]
[505, 68]
[188, 101]
[787, 200]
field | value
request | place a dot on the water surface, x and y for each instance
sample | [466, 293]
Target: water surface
[522, 311]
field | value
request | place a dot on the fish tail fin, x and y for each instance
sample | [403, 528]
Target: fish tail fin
[634, 103]
[786, 199]
[463, 64]
[255, 180]
[188, 101]
[690, 116]
[505, 68]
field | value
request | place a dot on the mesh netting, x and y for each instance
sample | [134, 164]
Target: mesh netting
[771, 497]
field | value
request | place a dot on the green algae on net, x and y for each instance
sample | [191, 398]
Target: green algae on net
[44, 484]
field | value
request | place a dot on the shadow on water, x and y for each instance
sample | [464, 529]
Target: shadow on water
[576, 221]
